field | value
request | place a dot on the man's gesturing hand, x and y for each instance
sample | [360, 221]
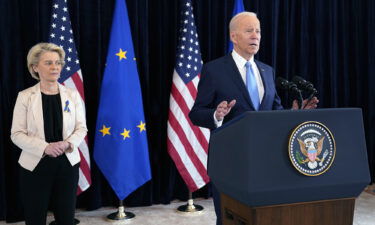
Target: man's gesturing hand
[223, 109]
[306, 104]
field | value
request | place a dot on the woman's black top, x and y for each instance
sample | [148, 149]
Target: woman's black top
[52, 115]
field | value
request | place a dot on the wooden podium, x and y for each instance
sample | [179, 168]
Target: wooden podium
[250, 166]
[328, 212]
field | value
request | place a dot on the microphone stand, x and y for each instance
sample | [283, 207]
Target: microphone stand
[300, 100]
[292, 87]
[305, 86]
[297, 93]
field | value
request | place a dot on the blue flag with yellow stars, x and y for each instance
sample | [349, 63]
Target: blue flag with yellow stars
[120, 149]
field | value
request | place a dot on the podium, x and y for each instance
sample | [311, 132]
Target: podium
[250, 166]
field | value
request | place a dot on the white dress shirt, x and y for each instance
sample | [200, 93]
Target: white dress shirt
[240, 63]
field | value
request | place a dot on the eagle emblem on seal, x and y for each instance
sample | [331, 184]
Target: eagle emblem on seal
[311, 148]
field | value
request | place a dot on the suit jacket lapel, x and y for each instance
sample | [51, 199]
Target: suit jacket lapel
[236, 76]
[37, 109]
[264, 77]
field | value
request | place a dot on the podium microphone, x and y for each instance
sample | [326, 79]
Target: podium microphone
[305, 86]
[290, 86]
[286, 85]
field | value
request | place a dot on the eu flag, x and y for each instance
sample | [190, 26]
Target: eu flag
[120, 149]
[237, 8]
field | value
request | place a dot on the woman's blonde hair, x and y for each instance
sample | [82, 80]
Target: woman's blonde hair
[36, 51]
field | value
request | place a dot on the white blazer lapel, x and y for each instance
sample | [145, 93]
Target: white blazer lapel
[36, 106]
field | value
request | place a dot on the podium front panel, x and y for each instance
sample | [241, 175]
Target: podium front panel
[249, 161]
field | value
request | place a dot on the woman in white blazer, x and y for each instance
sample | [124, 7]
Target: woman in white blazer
[48, 125]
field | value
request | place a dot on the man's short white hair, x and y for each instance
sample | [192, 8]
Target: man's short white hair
[233, 21]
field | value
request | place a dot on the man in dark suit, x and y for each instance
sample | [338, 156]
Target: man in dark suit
[236, 83]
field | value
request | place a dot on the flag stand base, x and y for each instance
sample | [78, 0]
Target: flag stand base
[120, 215]
[190, 208]
[76, 221]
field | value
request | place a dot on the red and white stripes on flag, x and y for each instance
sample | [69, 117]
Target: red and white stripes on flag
[76, 82]
[187, 144]
[61, 33]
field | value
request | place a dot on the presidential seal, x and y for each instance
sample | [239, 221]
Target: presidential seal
[311, 148]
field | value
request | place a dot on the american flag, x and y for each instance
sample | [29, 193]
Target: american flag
[61, 33]
[187, 144]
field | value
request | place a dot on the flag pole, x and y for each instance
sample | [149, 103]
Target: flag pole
[190, 207]
[120, 214]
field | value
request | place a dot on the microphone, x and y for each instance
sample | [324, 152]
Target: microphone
[305, 86]
[286, 85]
[290, 86]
